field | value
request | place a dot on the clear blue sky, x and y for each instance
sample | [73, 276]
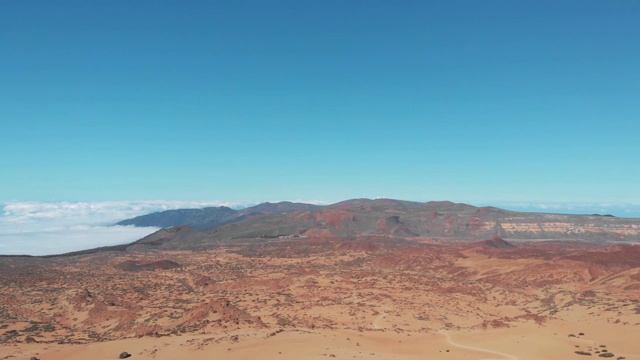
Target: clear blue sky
[474, 101]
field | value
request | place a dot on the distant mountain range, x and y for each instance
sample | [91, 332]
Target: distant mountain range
[211, 217]
[374, 220]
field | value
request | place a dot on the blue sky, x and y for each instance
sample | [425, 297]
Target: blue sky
[475, 101]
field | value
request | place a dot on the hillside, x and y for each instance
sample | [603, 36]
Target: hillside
[394, 220]
[291, 299]
[198, 218]
[211, 217]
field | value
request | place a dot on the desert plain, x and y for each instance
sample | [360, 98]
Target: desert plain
[322, 298]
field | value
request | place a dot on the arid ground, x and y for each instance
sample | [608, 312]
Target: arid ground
[318, 298]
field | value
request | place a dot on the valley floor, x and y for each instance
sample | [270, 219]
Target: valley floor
[310, 299]
[520, 343]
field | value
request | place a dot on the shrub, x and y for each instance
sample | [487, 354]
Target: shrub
[33, 327]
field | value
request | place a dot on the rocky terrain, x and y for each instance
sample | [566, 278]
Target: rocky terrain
[313, 287]
[361, 279]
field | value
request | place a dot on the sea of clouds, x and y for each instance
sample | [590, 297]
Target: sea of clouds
[45, 228]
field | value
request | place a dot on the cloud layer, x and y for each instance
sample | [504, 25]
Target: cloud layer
[45, 228]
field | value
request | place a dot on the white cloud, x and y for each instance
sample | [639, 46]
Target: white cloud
[69, 239]
[44, 228]
[103, 212]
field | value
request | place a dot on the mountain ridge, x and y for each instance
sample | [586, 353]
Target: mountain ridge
[210, 217]
[384, 220]
[377, 221]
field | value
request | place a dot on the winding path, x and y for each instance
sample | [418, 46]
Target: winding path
[453, 343]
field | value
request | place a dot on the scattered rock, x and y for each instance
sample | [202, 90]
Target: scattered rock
[221, 311]
[497, 242]
[124, 355]
[30, 340]
[134, 266]
[586, 353]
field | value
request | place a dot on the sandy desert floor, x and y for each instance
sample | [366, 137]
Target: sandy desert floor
[326, 299]
[522, 342]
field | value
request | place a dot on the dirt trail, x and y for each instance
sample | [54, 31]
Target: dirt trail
[377, 319]
[502, 355]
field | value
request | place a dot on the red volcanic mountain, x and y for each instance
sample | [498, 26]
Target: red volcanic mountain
[394, 220]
